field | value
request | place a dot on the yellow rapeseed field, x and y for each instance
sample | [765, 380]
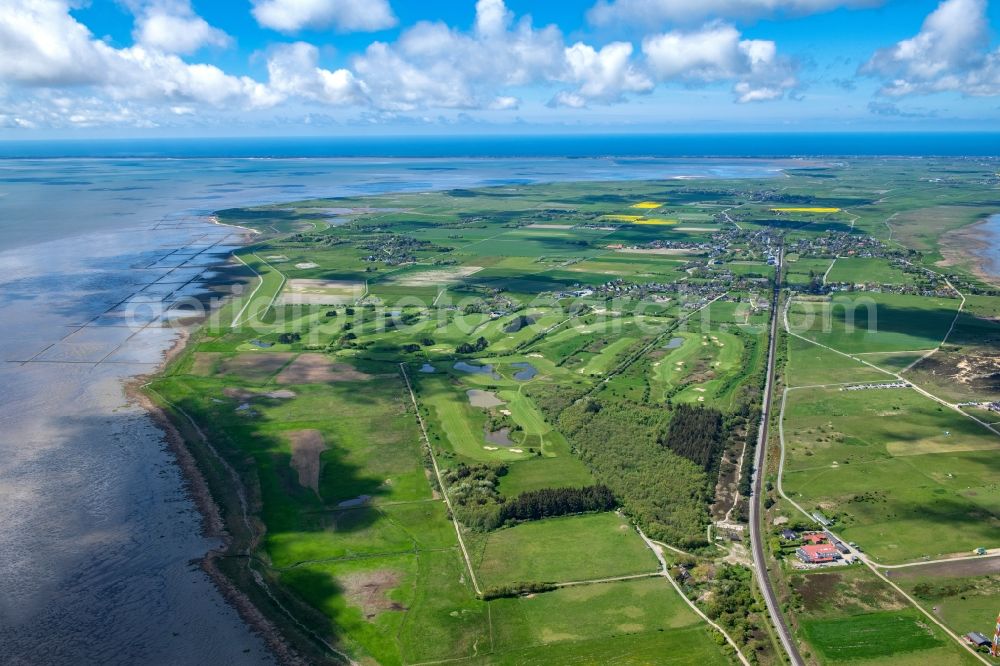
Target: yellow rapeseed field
[646, 205]
[654, 220]
[622, 218]
[805, 210]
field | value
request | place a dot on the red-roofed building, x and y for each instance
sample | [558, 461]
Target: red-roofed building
[814, 538]
[818, 554]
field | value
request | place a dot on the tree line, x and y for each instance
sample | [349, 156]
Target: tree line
[549, 502]
[478, 504]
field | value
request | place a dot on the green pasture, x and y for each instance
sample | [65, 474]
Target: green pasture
[873, 322]
[904, 477]
[862, 270]
[559, 550]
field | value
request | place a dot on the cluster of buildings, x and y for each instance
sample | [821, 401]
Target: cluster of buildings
[841, 244]
[820, 548]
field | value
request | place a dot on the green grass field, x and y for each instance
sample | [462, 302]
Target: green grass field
[559, 550]
[905, 477]
[855, 270]
[872, 636]
[872, 322]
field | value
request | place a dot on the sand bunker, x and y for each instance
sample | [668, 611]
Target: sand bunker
[435, 277]
[321, 292]
[479, 398]
[369, 591]
[307, 445]
[257, 366]
[306, 264]
[317, 369]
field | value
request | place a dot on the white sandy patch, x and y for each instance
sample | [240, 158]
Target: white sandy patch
[653, 250]
[321, 292]
[435, 277]
[306, 264]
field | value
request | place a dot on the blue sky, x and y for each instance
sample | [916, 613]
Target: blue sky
[348, 67]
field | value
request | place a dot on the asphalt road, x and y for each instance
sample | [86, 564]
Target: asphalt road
[756, 535]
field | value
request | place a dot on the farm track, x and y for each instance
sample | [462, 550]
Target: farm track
[656, 546]
[440, 480]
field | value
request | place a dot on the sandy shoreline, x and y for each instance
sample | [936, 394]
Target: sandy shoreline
[971, 247]
[196, 487]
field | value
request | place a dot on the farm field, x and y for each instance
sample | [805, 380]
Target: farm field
[852, 270]
[448, 405]
[965, 594]
[894, 469]
[849, 616]
[875, 322]
[549, 551]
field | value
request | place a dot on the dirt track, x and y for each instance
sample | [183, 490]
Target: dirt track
[976, 567]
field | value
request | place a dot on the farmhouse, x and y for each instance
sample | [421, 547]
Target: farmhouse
[978, 639]
[789, 535]
[814, 538]
[819, 554]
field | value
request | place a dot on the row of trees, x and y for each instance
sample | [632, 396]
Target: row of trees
[548, 502]
[478, 504]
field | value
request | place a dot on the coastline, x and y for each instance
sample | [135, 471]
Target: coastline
[198, 489]
[969, 247]
[213, 525]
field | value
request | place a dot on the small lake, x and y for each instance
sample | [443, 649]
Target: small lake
[479, 398]
[462, 366]
[428, 368]
[500, 437]
[674, 343]
[525, 371]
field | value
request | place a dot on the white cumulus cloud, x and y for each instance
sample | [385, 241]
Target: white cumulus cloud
[603, 75]
[293, 71]
[42, 45]
[434, 65]
[950, 53]
[343, 15]
[657, 12]
[717, 52]
[173, 27]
